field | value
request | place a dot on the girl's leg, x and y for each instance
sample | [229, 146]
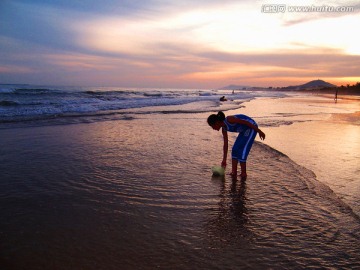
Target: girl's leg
[234, 164]
[240, 151]
[243, 174]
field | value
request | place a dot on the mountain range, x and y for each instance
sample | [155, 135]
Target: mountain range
[309, 85]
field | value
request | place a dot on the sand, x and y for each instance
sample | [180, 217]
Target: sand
[139, 194]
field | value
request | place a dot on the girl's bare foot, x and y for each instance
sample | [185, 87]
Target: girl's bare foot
[233, 175]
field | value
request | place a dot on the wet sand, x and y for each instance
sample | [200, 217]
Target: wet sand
[319, 134]
[138, 194]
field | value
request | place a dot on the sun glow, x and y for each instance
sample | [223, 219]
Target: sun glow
[231, 41]
[231, 28]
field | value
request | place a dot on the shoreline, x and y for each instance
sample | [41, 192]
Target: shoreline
[313, 183]
[341, 96]
[320, 123]
[106, 193]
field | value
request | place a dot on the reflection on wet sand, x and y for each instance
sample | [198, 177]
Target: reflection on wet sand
[228, 223]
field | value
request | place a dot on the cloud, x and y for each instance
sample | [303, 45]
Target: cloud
[227, 28]
[172, 43]
[295, 12]
[14, 69]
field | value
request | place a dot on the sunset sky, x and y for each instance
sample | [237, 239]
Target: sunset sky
[177, 44]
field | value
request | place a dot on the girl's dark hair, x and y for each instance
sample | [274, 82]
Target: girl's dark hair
[212, 119]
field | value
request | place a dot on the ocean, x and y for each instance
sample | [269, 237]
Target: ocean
[115, 178]
[26, 103]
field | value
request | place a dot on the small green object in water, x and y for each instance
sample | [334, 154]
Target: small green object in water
[218, 170]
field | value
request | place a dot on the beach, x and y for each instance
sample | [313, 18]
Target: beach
[134, 190]
[320, 135]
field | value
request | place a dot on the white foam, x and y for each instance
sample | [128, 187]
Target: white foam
[6, 90]
[35, 102]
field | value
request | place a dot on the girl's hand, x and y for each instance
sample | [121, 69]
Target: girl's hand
[223, 164]
[262, 135]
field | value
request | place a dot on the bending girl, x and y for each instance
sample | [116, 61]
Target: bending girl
[247, 129]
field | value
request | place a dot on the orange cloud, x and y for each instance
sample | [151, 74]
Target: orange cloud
[15, 69]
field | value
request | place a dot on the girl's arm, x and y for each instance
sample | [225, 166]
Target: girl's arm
[225, 148]
[233, 120]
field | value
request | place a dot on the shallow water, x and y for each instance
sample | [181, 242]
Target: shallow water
[321, 135]
[138, 194]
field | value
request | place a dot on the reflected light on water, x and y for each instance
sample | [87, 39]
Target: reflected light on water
[319, 134]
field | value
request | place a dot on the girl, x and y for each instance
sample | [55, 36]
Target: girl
[247, 129]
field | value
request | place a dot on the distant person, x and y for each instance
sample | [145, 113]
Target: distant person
[247, 129]
[336, 94]
[223, 98]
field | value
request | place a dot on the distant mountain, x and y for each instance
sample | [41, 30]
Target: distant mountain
[310, 85]
[234, 87]
[315, 84]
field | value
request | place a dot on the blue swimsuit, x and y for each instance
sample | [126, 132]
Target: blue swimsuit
[245, 139]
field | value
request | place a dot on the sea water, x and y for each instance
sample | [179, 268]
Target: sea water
[25, 103]
[318, 133]
[132, 188]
